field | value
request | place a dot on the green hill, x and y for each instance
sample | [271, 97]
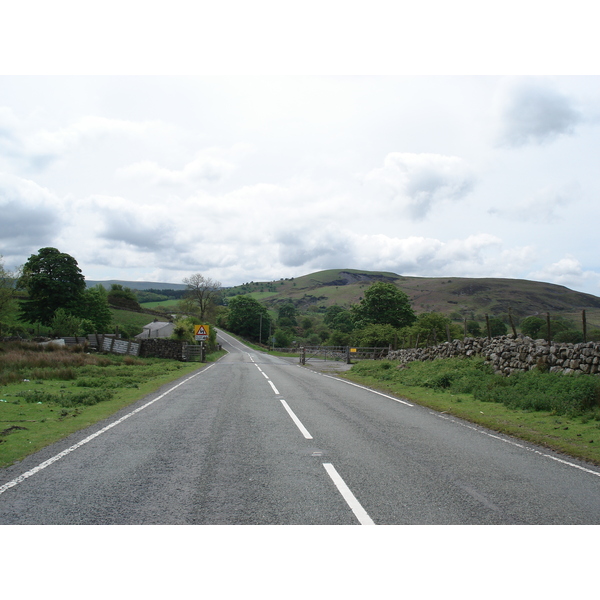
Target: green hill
[460, 295]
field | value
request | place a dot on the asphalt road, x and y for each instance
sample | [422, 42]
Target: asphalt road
[255, 439]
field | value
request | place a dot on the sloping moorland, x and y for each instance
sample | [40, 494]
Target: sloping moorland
[468, 297]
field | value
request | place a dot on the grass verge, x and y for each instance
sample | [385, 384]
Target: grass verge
[576, 433]
[38, 409]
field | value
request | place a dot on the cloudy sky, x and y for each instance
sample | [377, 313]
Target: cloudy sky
[253, 177]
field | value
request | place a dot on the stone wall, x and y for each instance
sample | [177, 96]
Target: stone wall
[510, 354]
[161, 348]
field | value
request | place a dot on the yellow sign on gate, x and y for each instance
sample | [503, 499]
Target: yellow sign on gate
[201, 332]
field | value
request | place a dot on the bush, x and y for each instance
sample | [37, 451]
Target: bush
[570, 336]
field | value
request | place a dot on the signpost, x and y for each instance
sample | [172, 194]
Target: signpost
[201, 332]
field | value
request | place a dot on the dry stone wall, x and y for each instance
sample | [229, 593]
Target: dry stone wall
[162, 348]
[510, 354]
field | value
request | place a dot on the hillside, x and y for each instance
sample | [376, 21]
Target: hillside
[453, 296]
[466, 296]
[137, 285]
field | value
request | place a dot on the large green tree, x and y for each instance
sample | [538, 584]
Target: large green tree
[384, 304]
[52, 280]
[244, 318]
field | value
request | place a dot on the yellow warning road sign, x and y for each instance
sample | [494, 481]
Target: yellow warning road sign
[201, 332]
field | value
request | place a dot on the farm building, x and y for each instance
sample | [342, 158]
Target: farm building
[156, 329]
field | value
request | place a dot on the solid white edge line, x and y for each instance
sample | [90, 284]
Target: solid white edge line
[349, 497]
[296, 420]
[362, 387]
[64, 453]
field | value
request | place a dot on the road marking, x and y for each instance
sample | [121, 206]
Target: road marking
[296, 420]
[64, 453]
[362, 387]
[273, 386]
[349, 497]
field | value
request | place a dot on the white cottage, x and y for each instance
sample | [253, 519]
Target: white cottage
[157, 329]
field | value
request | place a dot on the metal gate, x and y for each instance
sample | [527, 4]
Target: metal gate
[345, 353]
[194, 352]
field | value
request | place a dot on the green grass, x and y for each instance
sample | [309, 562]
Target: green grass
[133, 321]
[39, 409]
[466, 389]
[160, 304]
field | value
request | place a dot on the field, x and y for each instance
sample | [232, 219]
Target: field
[47, 394]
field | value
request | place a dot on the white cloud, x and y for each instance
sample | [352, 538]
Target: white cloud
[210, 165]
[568, 271]
[24, 140]
[545, 206]
[533, 112]
[416, 182]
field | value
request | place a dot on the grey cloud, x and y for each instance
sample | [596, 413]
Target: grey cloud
[131, 229]
[416, 182]
[28, 221]
[325, 249]
[535, 113]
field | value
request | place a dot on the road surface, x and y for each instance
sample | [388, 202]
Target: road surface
[256, 439]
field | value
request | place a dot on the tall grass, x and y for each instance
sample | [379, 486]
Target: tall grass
[531, 391]
[19, 360]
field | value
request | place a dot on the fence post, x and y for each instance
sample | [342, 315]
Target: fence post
[548, 324]
[584, 323]
[489, 329]
[348, 355]
[512, 324]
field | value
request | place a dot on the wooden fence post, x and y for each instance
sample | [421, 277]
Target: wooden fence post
[584, 324]
[512, 324]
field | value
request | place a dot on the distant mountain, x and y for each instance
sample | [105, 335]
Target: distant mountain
[137, 285]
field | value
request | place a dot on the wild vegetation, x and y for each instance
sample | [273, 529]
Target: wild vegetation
[48, 392]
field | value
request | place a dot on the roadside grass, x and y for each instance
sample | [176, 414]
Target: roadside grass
[41, 406]
[466, 389]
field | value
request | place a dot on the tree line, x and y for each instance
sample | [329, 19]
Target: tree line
[49, 291]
